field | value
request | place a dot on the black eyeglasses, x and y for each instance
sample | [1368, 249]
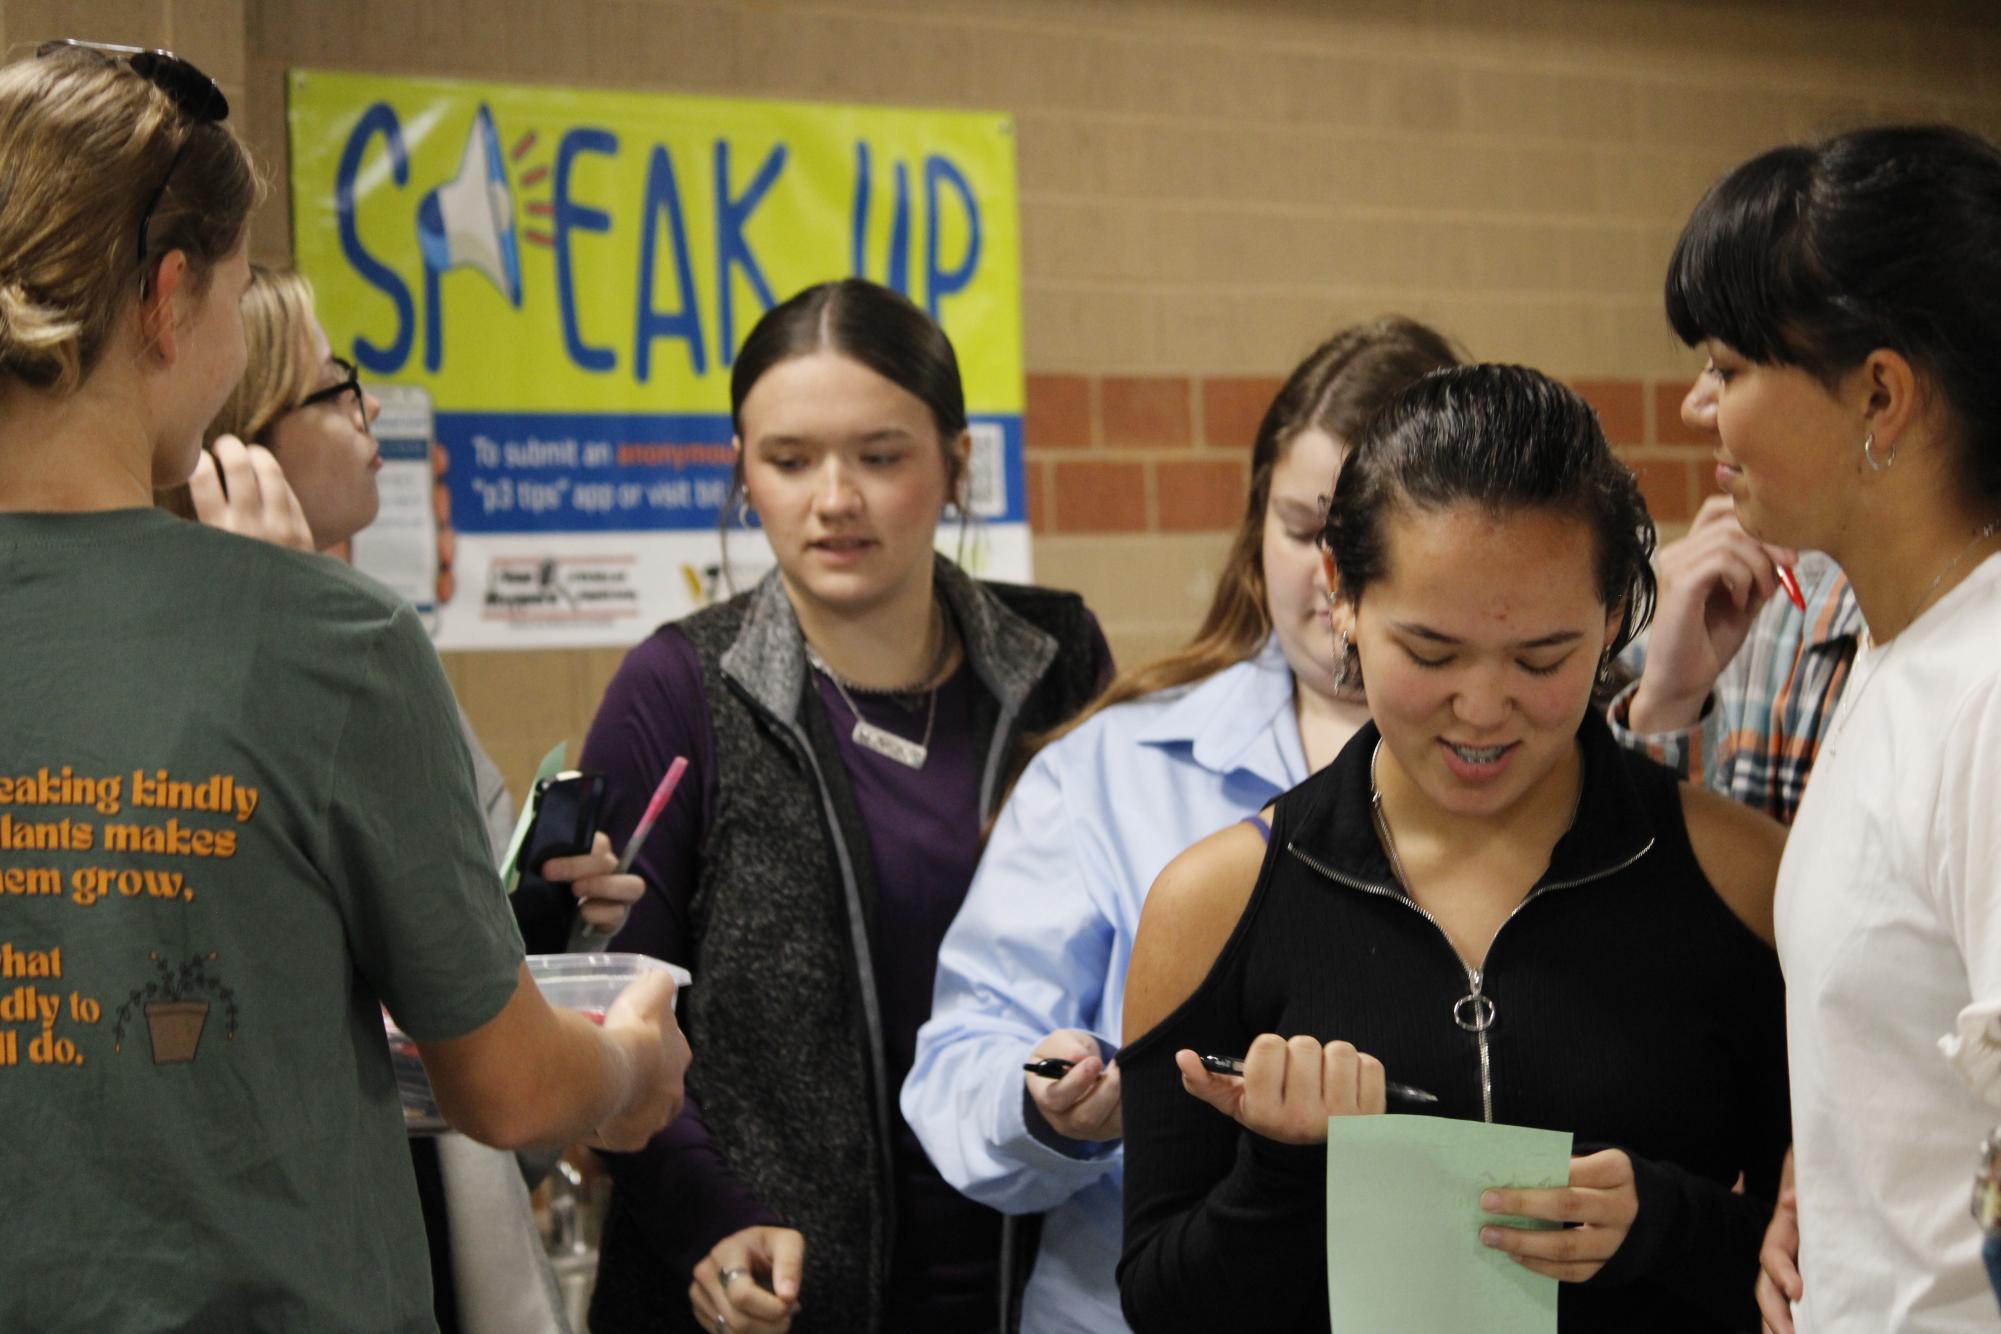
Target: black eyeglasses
[193, 93]
[350, 383]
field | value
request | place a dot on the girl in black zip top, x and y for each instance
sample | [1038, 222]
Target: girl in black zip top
[1483, 897]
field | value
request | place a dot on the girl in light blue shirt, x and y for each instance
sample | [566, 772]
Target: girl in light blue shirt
[1034, 965]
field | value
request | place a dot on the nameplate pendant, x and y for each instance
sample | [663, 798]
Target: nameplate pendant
[889, 745]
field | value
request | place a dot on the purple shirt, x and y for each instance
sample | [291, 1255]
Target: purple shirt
[923, 827]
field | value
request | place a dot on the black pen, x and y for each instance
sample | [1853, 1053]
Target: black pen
[1230, 1065]
[1049, 1067]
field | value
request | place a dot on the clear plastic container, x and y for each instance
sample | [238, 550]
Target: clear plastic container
[584, 982]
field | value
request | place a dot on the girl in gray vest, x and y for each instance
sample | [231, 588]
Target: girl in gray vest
[853, 721]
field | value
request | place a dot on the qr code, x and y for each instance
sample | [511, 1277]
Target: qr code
[986, 470]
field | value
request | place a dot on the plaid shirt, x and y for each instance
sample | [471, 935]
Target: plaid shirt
[1768, 712]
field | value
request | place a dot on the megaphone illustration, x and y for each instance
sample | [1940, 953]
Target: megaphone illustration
[469, 220]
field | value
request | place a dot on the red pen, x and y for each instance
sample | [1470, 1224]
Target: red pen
[1790, 582]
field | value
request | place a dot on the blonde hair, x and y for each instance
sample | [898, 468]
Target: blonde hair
[278, 370]
[84, 140]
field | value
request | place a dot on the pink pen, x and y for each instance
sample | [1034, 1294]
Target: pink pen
[668, 782]
[1790, 582]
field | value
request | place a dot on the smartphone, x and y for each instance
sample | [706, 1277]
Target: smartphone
[400, 549]
[566, 817]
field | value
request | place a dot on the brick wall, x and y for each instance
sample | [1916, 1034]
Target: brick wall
[1207, 189]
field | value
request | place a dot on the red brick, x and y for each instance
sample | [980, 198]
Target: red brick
[1233, 406]
[1154, 411]
[1621, 407]
[1668, 426]
[1669, 487]
[1200, 497]
[1037, 481]
[1098, 497]
[1059, 412]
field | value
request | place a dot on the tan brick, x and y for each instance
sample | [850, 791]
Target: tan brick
[1151, 411]
[1098, 497]
[1233, 406]
[1148, 589]
[128, 22]
[1059, 412]
[1205, 495]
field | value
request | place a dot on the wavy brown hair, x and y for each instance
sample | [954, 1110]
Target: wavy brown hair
[1338, 388]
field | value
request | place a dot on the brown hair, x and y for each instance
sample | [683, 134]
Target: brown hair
[84, 139]
[278, 372]
[876, 326]
[1338, 387]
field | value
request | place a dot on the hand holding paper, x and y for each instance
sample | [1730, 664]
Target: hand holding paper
[1290, 1086]
[1404, 1220]
[1601, 1200]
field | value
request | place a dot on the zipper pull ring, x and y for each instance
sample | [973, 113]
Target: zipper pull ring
[1474, 1012]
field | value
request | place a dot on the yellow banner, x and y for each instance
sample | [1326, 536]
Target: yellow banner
[522, 248]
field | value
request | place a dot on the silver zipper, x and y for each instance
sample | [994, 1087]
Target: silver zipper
[1474, 1012]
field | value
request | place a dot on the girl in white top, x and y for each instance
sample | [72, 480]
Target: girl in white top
[1848, 295]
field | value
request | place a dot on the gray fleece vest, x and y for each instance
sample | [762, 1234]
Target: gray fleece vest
[784, 1022]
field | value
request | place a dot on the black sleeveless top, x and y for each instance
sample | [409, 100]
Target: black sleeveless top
[1623, 1002]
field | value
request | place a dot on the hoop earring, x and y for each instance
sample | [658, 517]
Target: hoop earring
[1869, 455]
[743, 514]
[1605, 668]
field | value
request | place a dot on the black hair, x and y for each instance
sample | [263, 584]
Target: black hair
[876, 326]
[1507, 439]
[1816, 255]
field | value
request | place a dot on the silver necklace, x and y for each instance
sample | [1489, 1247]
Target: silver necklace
[910, 754]
[1852, 700]
[880, 740]
[915, 688]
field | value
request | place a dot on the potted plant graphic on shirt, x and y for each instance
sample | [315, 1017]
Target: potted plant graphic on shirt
[176, 1009]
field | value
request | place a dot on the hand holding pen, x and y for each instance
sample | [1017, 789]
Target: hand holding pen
[1290, 1086]
[1074, 1088]
[1714, 582]
[603, 891]
[604, 905]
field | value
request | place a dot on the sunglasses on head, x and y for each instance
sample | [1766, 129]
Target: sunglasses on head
[193, 93]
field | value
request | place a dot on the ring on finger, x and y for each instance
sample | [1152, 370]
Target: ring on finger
[730, 1275]
[722, 1323]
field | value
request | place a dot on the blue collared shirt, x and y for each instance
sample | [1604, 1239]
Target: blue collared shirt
[1043, 942]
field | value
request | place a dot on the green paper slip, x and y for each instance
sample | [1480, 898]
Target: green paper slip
[551, 765]
[1403, 1225]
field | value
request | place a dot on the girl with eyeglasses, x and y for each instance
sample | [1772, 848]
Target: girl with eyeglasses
[236, 819]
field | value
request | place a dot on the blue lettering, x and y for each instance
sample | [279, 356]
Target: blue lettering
[899, 221]
[940, 283]
[858, 228]
[378, 119]
[899, 233]
[732, 251]
[571, 216]
[663, 195]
